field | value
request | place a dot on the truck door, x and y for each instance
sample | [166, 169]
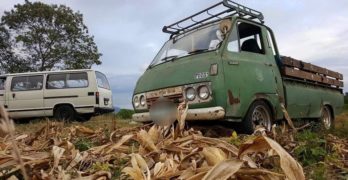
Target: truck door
[248, 70]
[2, 91]
[26, 96]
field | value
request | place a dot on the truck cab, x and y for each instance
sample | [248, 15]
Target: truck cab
[227, 67]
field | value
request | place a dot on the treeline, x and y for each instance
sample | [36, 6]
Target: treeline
[35, 36]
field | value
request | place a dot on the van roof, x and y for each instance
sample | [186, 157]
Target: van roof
[46, 72]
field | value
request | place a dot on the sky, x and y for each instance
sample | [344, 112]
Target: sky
[129, 33]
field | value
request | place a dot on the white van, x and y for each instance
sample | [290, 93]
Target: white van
[65, 95]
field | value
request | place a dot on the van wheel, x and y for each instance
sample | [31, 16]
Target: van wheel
[259, 114]
[326, 118]
[65, 113]
[84, 117]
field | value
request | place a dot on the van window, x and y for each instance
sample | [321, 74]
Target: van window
[2, 83]
[27, 83]
[68, 80]
[77, 80]
[102, 81]
[249, 39]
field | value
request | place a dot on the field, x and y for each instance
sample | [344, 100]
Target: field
[322, 154]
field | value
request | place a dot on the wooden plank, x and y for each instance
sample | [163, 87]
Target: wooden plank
[301, 74]
[288, 61]
[291, 72]
[291, 62]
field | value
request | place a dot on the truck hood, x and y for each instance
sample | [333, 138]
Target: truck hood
[185, 70]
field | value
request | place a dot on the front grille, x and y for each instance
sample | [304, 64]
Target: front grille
[176, 98]
[174, 94]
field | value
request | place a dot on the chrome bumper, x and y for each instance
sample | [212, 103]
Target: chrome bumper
[213, 113]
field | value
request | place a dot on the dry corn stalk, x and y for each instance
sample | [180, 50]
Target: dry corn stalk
[150, 153]
[7, 126]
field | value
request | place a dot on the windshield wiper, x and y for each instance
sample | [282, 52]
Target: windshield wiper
[198, 51]
[168, 58]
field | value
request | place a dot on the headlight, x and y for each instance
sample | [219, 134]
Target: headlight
[203, 92]
[136, 101]
[142, 100]
[190, 94]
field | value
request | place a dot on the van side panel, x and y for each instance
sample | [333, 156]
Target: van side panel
[24, 103]
[81, 98]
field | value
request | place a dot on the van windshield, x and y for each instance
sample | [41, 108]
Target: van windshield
[2, 83]
[102, 81]
[197, 41]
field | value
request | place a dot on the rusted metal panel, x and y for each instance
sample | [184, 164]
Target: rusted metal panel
[231, 99]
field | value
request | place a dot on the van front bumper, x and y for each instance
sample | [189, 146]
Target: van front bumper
[212, 113]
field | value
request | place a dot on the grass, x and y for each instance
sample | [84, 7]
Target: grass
[107, 121]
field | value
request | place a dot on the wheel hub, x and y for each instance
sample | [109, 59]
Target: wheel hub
[326, 118]
[260, 116]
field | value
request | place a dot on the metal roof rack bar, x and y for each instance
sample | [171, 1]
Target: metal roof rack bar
[233, 8]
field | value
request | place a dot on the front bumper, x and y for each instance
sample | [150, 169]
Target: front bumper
[212, 113]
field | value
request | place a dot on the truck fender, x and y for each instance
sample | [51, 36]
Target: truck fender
[267, 99]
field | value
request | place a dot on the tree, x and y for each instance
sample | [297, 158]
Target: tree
[45, 37]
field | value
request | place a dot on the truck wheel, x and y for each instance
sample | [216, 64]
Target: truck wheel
[326, 118]
[65, 113]
[259, 114]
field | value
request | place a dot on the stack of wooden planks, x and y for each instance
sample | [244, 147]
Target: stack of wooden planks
[301, 70]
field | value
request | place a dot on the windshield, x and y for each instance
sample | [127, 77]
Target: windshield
[203, 39]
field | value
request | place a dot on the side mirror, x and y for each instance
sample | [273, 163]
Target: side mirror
[225, 26]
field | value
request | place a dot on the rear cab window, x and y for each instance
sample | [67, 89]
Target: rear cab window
[67, 80]
[102, 81]
[27, 83]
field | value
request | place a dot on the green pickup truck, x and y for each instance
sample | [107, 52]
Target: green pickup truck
[224, 63]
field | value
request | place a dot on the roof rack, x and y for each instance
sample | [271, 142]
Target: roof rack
[229, 7]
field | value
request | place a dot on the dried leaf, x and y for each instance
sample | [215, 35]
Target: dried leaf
[291, 168]
[57, 154]
[154, 133]
[213, 155]
[146, 141]
[224, 170]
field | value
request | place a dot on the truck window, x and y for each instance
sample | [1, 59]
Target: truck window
[2, 83]
[27, 83]
[102, 81]
[247, 39]
[67, 80]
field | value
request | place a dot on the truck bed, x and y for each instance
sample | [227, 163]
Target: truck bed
[307, 87]
[299, 70]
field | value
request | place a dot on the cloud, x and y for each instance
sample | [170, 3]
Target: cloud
[128, 33]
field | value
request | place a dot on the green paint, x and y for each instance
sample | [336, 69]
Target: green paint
[247, 76]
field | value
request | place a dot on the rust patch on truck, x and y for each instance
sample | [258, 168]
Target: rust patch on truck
[232, 99]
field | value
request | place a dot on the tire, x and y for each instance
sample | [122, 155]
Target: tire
[65, 113]
[259, 113]
[326, 119]
[84, 117]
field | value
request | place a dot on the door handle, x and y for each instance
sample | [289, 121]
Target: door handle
[268, 64]
[13, 95]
